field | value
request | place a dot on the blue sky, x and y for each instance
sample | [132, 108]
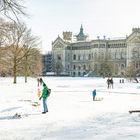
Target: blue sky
[112, 18]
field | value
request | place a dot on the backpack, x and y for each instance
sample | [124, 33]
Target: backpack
[48, 92]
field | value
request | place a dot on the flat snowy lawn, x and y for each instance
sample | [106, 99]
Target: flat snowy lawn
[72, 113]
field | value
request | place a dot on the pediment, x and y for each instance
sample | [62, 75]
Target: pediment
[134, 38]
[58, 43]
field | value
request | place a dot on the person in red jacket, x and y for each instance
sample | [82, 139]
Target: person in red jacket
[44, 98]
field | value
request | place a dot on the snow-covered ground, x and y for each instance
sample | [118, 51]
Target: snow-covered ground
[72, 113]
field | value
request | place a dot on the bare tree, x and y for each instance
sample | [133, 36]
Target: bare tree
[14, 42]
[20, 54]
[104, 66]
[12, 9]
[130, 71]
[32, 63]
[35, 62]
[2, 40]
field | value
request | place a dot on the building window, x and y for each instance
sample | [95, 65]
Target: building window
[79, 57]
[74, 57]
[84, 57]
[74, 67]
[79, 68]
[79, 73]
[84, 67]
[84, 73]
[95, 55]
[92, 55]
[59, 57]
[68, 57]
[122, 66]
[89, 67]
[89, 57]
[137, 65]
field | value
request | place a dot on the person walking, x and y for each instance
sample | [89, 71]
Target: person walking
[111, 82]
[44, 98]
[108, 83]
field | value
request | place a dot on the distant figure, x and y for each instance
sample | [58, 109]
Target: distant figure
[108, 83]
[38, 82]
[111, 82]
[41, 81]
[136, 79]
[94, 94]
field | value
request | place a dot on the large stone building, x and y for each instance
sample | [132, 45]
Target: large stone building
[77, 58]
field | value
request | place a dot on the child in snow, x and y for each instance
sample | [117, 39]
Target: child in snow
[94, 94]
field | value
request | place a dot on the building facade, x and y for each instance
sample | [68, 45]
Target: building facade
[77, 58]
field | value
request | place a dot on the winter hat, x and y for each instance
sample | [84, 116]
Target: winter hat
[44, 84]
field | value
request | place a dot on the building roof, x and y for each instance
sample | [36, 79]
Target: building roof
[81, 36]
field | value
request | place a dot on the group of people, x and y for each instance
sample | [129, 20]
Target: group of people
[109, 85]
[44, 94]
[110, 82]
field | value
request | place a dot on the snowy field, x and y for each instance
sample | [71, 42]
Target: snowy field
[72, 113]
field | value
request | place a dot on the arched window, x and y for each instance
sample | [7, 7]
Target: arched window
[79, 67]
[74, 57]
[59, 57]
[79, 57]
[95, 55]
[84, 67]
[122, 66]
[79, 73]
[122, 55]
[89, 57]
[135, 52]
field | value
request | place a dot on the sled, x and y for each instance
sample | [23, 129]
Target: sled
[134, 111]
[98, 99]
[35, 104]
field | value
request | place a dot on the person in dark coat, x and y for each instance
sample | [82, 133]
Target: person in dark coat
[111, 82]
[108, 83]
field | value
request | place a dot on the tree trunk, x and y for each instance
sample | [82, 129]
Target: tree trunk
[26, 69]
[15, 71]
